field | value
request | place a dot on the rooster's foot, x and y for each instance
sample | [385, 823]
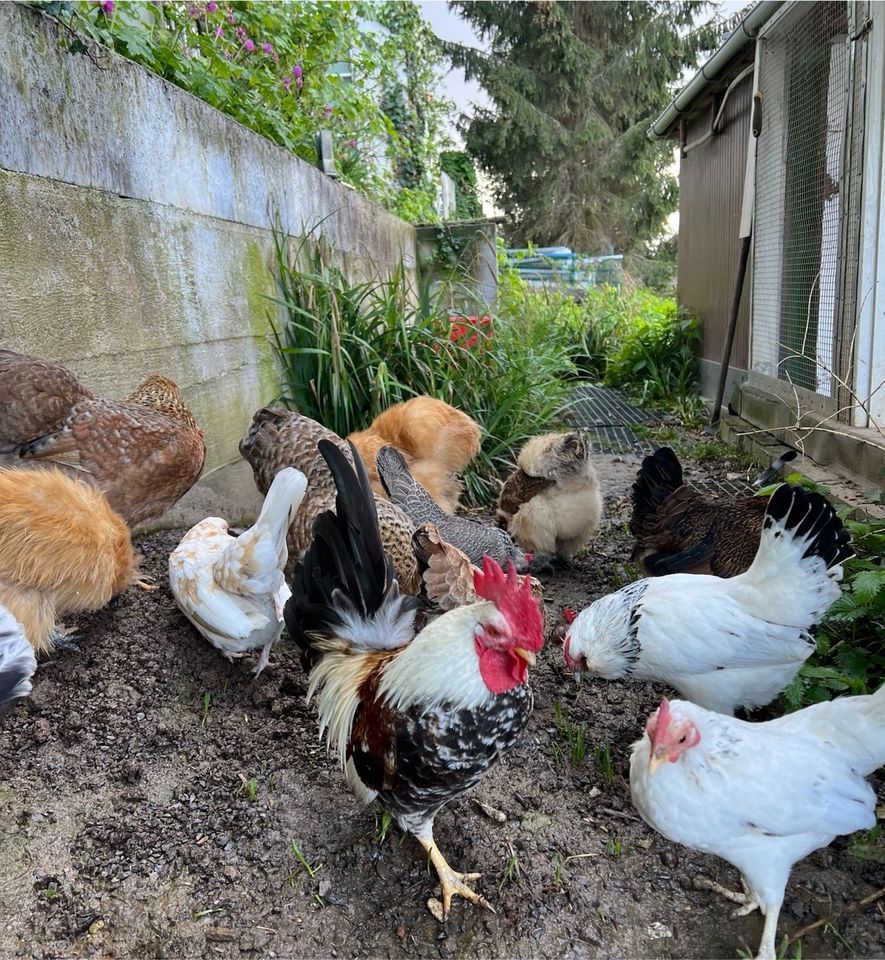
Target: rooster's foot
[747, 901]
[453, 883]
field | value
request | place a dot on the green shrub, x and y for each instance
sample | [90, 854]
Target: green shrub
[850, 655]
[349, 350]
[287, 70]
[654, 353]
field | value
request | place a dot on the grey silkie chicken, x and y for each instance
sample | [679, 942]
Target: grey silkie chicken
[474, 538]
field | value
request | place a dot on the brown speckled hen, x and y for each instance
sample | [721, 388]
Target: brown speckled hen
[679, 530]
[144, 453]
[280, 438]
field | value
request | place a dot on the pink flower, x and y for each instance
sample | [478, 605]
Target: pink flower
[219, 32]
[230, 17]
[193, 13]
[107, 7]
[297, 71]
[352, 144]
[287, 82]
[211, 6]
[267, 48]
[327, 113]
[241, 33]
[249, 45]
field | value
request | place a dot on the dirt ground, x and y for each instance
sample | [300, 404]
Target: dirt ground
[153, 797]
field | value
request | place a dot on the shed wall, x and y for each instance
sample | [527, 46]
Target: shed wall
[711, 178]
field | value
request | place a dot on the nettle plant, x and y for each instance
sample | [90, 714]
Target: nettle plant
[286, 70]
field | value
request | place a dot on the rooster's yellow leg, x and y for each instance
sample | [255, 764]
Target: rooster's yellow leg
[453, 883]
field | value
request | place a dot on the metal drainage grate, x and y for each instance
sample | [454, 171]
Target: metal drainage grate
[607, 416]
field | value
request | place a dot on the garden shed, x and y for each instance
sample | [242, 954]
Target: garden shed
[799, 88]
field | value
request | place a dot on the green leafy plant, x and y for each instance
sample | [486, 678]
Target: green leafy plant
[850, 656]
[350, 349]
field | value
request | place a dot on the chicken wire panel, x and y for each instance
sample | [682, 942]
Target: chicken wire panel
[807, 200]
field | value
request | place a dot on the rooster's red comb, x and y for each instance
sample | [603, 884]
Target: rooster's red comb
[513, 599]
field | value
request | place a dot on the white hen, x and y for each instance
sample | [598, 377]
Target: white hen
[724, 643]
[232, 589]
[17, 660]
[760, 795]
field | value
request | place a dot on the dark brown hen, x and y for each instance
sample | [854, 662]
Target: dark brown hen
[679, 530]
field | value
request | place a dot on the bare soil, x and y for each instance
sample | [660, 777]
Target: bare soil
[153, 795]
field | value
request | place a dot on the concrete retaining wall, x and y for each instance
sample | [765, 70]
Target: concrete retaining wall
[135, 232]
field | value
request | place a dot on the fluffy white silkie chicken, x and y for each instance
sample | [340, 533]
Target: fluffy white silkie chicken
[723, 643]
[232, 589]
[760, 795]
[17, 660]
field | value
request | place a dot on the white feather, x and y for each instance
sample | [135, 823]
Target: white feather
[233, 589]
[16, 655]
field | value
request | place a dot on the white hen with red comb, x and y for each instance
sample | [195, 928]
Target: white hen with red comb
[760, 795]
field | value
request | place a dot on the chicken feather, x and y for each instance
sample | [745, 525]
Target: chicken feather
[144, 453]
[232, 589]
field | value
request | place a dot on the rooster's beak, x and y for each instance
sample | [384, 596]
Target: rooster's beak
[526, 655]
[657, 758]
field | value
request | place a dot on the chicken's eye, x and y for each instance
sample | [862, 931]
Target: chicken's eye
[682, 738]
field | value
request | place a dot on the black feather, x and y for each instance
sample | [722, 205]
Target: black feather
[661, 564]
[659, 475]
[809, 515]
[345, 566]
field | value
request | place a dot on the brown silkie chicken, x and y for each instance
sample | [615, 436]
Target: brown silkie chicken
[679, 530]
[551, 503]
[437, 441]
[279, 438]
[144, 453]
[62, 550]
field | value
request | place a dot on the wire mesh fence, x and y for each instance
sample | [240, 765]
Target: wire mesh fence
[808, 193]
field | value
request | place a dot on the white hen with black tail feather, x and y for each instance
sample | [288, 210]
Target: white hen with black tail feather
[17, 660]
[724, 643]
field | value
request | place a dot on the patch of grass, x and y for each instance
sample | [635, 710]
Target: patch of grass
[350, 350]
[510, 874]
[383, 822]
[51, 894]
[249, 787]
[312, 871]
[602, 758]
[207, 700]
[573, 735]
[614, 848]
[558, 870]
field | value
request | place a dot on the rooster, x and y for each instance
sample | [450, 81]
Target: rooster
[473, 537]
[760, 795]
[437, 441]
[17, 661]
[232, 588]
[416, 719]
[62, 550]
[551, 503]
[724, 643]
[144, 453]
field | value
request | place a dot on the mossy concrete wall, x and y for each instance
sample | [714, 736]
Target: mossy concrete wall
[135, 232]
